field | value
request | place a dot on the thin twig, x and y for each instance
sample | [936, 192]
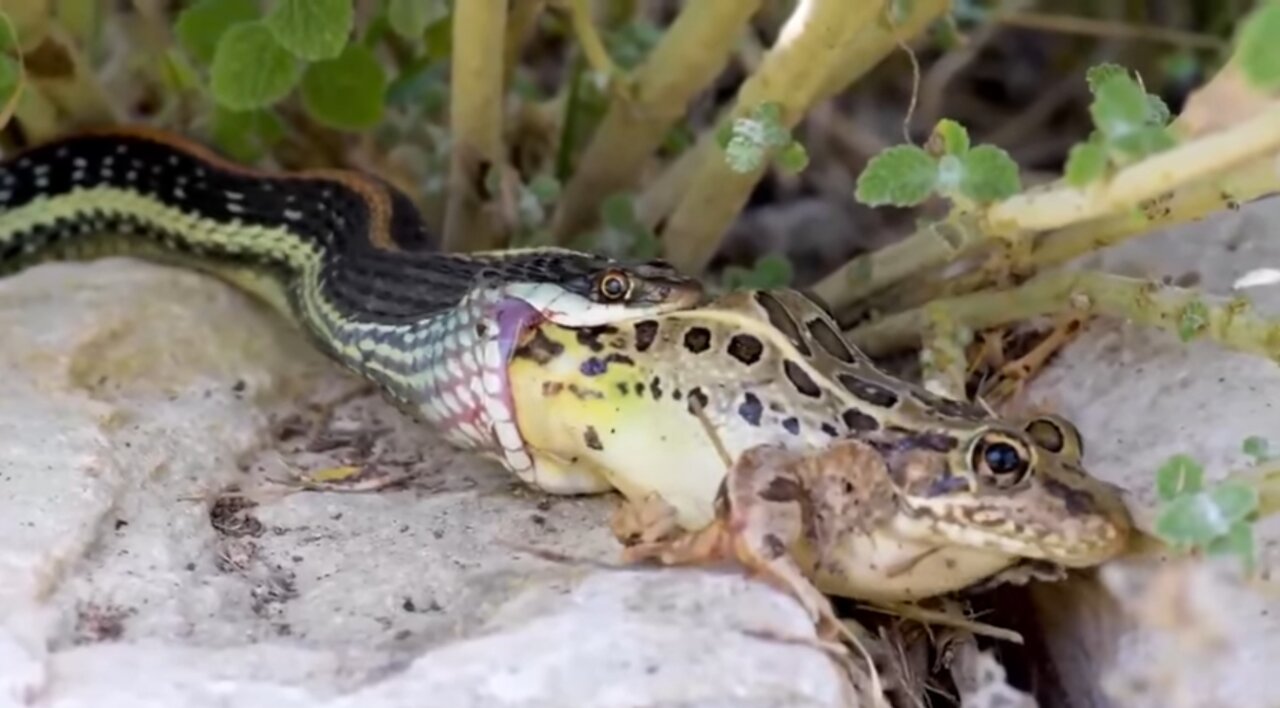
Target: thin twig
[1110, 29]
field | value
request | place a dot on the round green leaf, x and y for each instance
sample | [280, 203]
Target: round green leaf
[312, 29]
[200, 26]
[246, 135]
[1085, 163]
[989, 174]
[410, 18]
[1120, 106]
[953, 136]
[250, 69]
[793, 158]
[1257, 48]
[903, 175]
[347, 92]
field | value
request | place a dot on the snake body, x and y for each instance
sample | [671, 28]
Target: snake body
[344, 254]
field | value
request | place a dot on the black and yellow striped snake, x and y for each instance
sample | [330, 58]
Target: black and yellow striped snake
[344, 254]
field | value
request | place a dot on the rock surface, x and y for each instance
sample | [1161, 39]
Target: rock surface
[136, 398]
[1160, 630]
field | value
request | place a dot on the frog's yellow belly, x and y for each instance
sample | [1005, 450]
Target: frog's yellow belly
[633, 425]
[882, 568]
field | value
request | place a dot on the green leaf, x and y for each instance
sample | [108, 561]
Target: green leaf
[545, 187]
[1179, 475]
[773, 133]
[1086, 163]
[950, 174]
[769, 271]
[312, 29]
[347, 92]
[773, 271]
[1095, 75]
[246, 136]
[410, 18]
[1190, 520]
[793, 158]
[1257, 447]
[201, 25]
[954, 138]
[1238, 541]
[631, 43]
[423, 84]
[1193, 319]
[748, 140]
[1158, 113]
[250, 69]
[903, 175]
[1119, 106]
[1235, 501]
[1257, 49]
[1143, 141]
[989, 174]
[744, 154]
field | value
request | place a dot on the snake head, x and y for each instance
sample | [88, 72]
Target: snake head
[573, 289]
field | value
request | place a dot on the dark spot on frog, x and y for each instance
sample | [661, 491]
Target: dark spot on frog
[781, 319]
[830, 430]
[1077, 501]
[745, 348]
[481, 329]
[750, 409]
[590, 336]
[782, 489]
[791, 425]
[830, 340]
[859, 422]
[646, 331]
[540, 348]
[801, 379]
[697, 340]
[592, 438]
[697, 400]
[774, 545]
[869, 391]
[551, 388]
[596, 366]
[655, 387]
[622, 387]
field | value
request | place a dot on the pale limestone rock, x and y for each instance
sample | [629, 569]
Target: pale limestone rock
[1139, 396]
[133, 394]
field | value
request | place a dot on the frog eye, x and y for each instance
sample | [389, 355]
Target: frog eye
[1003, 459]
[1056, 435]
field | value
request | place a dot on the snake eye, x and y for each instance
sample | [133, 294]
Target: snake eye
[1002, 459]
[614, 286]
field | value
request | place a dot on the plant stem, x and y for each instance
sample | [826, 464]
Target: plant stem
[931, 245]
[691, 53]
[795, 73]
[1227, 321]
[1039, 210]
[475, 116]
[1185, 204]
[589, 41]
